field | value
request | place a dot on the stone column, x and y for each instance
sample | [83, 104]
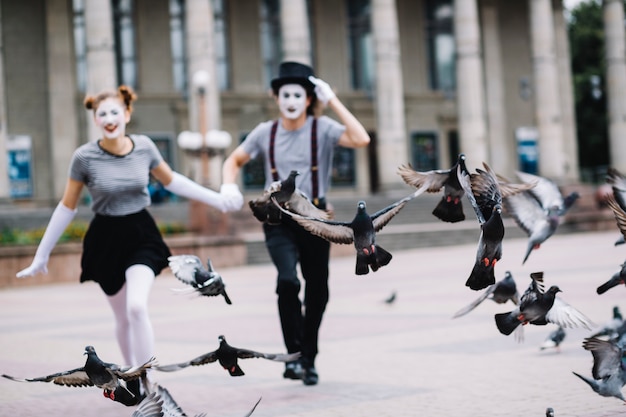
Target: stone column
[470, 84]
[101, 72]
[389, 95]
[62, 92]
[566, 86]
[500, 151]
[296, 37]
[4, 177]
[552, 162]
[616, 81]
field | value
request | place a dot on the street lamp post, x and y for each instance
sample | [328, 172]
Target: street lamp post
[204, 146]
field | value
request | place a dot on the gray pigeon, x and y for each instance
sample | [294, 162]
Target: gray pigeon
[450, 207]
[608, 369]
[289, 197]
[204, 281]
[361, 231]
[228, 357]
[539, 210]
[500, 292]
[539, 308]
[554, 339]
[615, 280]
[103, 375]
[620, 217]
[618, 184]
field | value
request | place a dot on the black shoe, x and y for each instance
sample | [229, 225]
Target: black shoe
[310, 376]
[293, 370]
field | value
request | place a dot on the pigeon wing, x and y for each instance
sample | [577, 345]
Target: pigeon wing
[151, 406]
[384, 216]
[134, 372]
[486, 190]
[618, 182]
[170, 407]
[490, 289]
[253, 408]
[432, 180]
[73, 378]
[184, 267]
[545, 191]
[565, 315]
[200, 360]
[279, 357]
[618, 211]
[607, 357]
[333, 231]
[525, 210]
[465, 181]
[507, 188]
[299, 203]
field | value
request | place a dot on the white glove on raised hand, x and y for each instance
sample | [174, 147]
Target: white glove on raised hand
[233, 199]
[60, 219]
[323, 91]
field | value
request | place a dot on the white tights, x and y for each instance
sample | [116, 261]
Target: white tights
[130, 307]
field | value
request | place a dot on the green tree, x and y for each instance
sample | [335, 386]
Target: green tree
[586, 34]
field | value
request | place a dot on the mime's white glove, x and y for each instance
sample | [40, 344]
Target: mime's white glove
[323, 91]
[233, 199]
[60, 219]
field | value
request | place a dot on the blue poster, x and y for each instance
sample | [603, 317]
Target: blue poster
[527, 150]
[19, 165]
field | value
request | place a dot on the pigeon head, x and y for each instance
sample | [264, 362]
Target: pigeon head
[294, 173]
[508, 274]
[361, 206]
[554, 289]
[221, 338]
[89, 349]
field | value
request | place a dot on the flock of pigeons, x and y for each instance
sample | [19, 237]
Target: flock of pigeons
[535, 203]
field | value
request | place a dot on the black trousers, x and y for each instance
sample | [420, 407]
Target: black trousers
[288, 244]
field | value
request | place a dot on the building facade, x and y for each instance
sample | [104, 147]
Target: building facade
[428, 79]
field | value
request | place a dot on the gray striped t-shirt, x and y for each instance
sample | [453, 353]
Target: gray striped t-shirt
[118, 184]
[292, 150]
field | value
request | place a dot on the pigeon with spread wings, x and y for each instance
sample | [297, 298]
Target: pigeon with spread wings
[361, 231]
[539, 210]
[608, 371]
[205, 281]
[103, 375]
[288, 196]
[450, 207]
[228, 357]
[541, 307]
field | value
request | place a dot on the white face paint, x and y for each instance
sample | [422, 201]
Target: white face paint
[110, 117]
[292, 100]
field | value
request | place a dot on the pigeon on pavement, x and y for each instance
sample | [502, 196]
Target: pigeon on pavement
[103, 375]
[500, 292]
[608, 370]
[539, 308]
[450, 207]
[204, 281]
[361, 231]
[483, 192]
[539, 210]
[228, 356]
[288, 196]
[554, 339]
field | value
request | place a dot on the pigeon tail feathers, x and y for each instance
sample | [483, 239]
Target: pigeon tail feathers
[480, 277]
[235, 370]
[448, 211]
[506, 323]
[613, 282]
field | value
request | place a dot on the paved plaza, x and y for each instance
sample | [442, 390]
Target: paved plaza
[408, 358]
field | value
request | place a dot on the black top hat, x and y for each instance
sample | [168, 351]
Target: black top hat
[293, 73]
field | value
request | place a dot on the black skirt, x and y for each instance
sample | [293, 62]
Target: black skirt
[114, 243]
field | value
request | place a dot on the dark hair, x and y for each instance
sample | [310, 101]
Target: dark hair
[124, 93]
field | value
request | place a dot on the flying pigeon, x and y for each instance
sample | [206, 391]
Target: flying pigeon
[450, 207]
[500, 292]
[608, 370]
[95, 372]
[554, 339]
[615, 280]
[361, 231]
[289, 197]
[539, 308]
[539, 210]
[483, 192]
[204, 281]
[613, 327]
[151, 406]
[228, 356]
